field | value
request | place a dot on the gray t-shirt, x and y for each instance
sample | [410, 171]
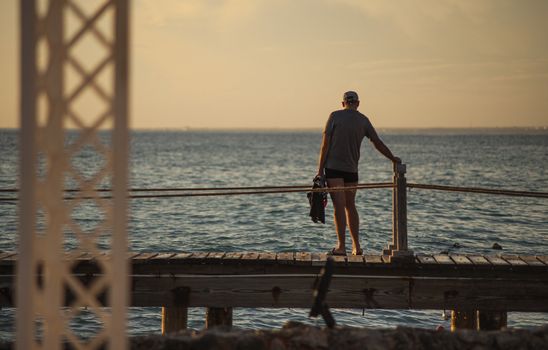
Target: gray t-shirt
[345, 130]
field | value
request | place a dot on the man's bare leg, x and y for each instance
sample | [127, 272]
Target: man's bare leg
[353, 218]
[339, 201]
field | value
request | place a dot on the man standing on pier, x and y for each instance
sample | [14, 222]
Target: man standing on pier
[339, 156]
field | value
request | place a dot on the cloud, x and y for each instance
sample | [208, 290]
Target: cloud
[424, 22]
[165, 12]
[461, 29]
[405, 11]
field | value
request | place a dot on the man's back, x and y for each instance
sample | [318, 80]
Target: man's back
[346, 129]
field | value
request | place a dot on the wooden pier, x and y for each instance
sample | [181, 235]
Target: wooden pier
[478, 289]
[216, 280]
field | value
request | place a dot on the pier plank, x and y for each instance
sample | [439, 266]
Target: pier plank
[287, 258]
[133, 255]
[496, 261]
[443, 259]
[216, 255]
[250, 257]
[355, 260]
[460, 259]
[11, 256]
[346, 292]
[6, 254]
[514, 260]
[319, 259]
[233, 256]
[182, 256]
[487, 294]
[165, 256]
[339, 260]
[543, 258]
[198, 257]
[479, 260]
[256, 291]
[143, 257]
[373, 259]
[426, 259]
[303, 258]
[268, 258]
[531, 260]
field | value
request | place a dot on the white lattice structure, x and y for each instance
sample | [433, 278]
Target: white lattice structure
[74, 69]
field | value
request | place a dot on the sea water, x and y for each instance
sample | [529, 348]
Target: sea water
[437, 221]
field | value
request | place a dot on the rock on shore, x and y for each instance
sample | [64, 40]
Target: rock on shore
[298, 336]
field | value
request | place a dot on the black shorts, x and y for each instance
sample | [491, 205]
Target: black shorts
[338, 174]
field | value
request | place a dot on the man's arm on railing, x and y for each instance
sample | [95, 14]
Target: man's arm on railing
[381, 147]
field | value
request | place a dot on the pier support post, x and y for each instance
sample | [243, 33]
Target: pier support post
[174, 319]
[397, 250]
[218, 316]
[478, 319]
[463, 319]
[492, 320]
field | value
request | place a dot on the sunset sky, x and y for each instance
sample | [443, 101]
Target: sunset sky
[286, 63]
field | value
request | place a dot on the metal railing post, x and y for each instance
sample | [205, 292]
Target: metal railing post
[398, 248]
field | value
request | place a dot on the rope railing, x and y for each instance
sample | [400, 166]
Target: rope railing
[257, 190]
[183, 189]
[501, 192]
[215, 191]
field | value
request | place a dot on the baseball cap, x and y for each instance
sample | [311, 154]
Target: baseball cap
[350, 96]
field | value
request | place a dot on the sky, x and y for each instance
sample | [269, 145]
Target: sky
[284, 64]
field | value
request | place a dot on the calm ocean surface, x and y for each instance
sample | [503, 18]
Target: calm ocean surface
[280, 222]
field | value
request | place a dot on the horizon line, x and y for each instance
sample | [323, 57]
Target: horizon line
[418, 128]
